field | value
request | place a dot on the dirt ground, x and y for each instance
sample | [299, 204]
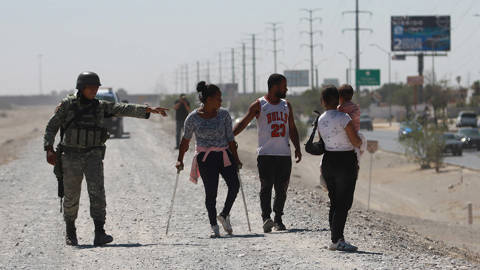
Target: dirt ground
[139, 177]
[19, 125]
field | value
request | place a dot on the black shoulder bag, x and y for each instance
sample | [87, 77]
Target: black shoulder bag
[315, 148]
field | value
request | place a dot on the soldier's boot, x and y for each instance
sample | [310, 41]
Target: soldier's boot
[71, 234]
[101, 238]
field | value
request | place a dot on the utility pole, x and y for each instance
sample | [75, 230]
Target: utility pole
[220, 68]
[40, 86]
[274, 29]
[181, 83]
[244, 69]
[187, 84]
[390, 94]
[208, 71]
[198, 71]
[233, 65]
[254, 74]
[357, 30]
[176, 80]
[348, 75]
[311, 19]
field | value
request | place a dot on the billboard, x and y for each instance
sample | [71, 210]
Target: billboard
[331, 81]
[414, 80]
[420, 33]
[368, 77]
[297, 78]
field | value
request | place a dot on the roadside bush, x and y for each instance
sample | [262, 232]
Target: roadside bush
[425, 145]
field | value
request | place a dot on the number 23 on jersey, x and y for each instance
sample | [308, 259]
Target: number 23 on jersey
[278, 130]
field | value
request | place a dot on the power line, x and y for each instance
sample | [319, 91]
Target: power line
[220, 67]
[254, 60]
[233, 64]
[275, 50]
[198, 71]
[357, 30]
[311, 32]
[40, 84]
[244, 74]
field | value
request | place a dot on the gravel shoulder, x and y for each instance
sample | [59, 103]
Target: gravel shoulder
[139, 180]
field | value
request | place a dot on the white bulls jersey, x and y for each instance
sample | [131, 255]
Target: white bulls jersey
[273, 131]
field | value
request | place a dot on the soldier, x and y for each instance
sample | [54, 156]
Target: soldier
[80, 152]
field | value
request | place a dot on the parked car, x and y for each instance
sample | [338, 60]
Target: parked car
[366, 122]
[113, 124]
[466, 119]
[406, 128]
[452, 144]
[470, 137]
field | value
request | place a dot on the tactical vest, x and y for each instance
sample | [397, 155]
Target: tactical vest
[86, 130]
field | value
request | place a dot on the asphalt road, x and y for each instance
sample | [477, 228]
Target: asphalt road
[388, 140]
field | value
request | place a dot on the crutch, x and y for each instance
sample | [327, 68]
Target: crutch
[173, 200]
[244, 202]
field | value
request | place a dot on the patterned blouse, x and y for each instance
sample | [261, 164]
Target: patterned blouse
[213, 132]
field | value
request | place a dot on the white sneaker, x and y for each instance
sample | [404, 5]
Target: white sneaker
[225, 224]
[341, 245]
[215, 232]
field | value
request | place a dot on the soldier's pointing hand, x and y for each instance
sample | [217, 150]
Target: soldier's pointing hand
[159, 110]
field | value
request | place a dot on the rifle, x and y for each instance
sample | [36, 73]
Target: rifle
[58, 169]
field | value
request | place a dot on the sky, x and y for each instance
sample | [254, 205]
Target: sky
[141, 45]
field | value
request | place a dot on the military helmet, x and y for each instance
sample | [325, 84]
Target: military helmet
[87, 78]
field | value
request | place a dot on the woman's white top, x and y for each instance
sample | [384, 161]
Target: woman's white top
[331, 127]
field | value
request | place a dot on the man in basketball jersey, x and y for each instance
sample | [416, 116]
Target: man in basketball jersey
[275, 126]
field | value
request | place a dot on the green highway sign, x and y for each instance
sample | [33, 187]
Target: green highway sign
[368, 77]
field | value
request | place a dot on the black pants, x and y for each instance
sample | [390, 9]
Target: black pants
[209, 171]
[274, 172]
[340, 170]
[178, 131]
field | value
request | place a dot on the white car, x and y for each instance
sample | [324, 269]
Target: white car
[466, 119]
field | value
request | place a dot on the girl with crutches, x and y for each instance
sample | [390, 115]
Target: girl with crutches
[216, 153]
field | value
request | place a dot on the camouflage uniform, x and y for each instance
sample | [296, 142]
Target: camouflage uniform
[84, 148]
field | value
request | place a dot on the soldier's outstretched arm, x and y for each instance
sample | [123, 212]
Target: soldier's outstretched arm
[132, 110]
[253, 111]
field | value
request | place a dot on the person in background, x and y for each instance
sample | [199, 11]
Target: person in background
[339, 165]
[182, 108]
[215, 153]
